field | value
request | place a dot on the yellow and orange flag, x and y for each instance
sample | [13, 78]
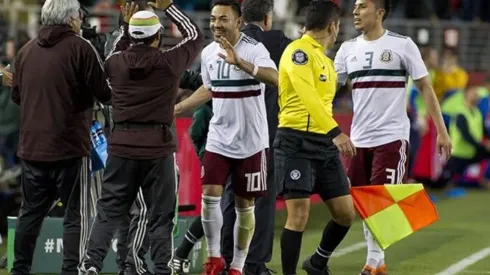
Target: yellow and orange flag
[393, 212]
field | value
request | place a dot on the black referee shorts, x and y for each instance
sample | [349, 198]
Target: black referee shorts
[306, 164]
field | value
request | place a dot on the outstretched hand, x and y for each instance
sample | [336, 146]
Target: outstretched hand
[160, 4]
[231, 57]
[128, 10]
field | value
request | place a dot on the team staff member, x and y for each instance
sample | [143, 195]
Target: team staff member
[57, 75]
[308, 140]
[145, 83]
[189, 80]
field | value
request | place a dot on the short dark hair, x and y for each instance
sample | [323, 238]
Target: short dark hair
[256, 10]
[384, 4]
[320, 13]
[231, 3]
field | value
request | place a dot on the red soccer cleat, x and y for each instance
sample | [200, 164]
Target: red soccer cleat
[214, 266]
[234, 272]
[382, 270]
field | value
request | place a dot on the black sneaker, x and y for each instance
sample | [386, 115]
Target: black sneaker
[311, 270]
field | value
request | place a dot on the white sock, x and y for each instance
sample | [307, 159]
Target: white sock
[212, 221]
[375, 254]
[244, 232]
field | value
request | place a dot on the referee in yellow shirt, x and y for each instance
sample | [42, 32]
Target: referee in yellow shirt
[308, 141]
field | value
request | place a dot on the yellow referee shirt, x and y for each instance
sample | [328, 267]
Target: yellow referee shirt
[307, 86]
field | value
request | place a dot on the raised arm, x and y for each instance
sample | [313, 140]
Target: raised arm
[122, 42]
[181, 56]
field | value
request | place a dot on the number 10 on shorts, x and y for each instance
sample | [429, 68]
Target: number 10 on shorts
[255, 182]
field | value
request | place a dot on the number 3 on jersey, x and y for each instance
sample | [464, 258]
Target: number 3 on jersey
[369, 59]
[223, 70]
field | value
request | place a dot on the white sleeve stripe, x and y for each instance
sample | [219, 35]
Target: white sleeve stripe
[118, 38]
[95, 51]
[192, 32]
[185, 21]
[98, 59]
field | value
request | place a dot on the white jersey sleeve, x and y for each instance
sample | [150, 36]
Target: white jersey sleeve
[413, 62]
[262, 58]
[340, 66]
[206, 79]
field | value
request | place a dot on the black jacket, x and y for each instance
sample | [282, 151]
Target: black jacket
[57, 75]
[275, 42]
[144, 83]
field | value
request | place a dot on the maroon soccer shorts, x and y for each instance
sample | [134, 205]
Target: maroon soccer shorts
[248, 176]
[384, 164]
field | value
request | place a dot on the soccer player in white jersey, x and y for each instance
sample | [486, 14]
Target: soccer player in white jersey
[377, 63]
[234, 69]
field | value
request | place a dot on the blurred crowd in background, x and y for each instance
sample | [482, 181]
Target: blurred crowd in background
[457, 63]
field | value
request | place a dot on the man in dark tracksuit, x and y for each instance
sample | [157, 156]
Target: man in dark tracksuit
[145, 83]
[257, 15]
[190, 80]
[56, 78]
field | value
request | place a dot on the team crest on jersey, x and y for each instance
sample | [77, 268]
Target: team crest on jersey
[300, 57]
[323, 78]
[386, 56]
[236, 68]
[295, 174]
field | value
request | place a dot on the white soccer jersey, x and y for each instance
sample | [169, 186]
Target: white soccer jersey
[238, 128]
[379, 72]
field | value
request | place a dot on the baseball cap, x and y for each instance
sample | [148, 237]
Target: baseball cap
[144, 24]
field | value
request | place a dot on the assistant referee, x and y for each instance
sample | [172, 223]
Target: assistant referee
[308, 140]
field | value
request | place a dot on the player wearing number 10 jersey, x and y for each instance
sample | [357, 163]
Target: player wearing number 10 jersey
[378, 63]
[234, 69]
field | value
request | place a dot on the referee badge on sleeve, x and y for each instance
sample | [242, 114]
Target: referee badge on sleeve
[300, 57]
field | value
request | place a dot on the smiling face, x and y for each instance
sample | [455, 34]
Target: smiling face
[366, 15]
[224, 22]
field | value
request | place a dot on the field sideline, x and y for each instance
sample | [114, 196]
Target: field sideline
[457, 244]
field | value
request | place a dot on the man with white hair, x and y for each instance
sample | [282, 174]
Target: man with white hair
[144, 84]
[57, 75]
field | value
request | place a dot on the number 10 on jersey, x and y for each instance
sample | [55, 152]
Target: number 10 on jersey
[223, 70]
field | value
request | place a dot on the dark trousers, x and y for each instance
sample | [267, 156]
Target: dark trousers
[126, 233]
[260, 251]
[123, 179]
[41, 183]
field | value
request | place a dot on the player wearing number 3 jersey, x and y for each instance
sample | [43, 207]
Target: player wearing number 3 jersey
[378, 63]
[234, 69]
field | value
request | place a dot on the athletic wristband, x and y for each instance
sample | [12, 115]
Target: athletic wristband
[256, 70]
